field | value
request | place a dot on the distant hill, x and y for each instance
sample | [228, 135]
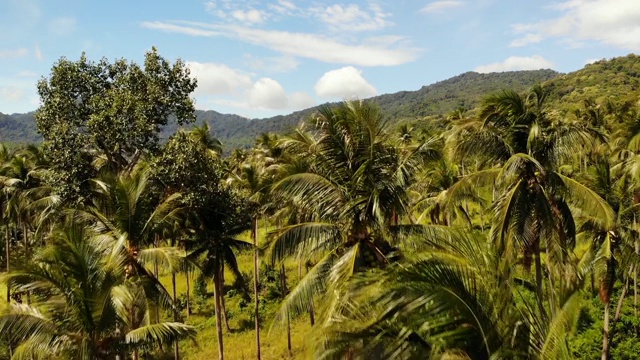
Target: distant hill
[617, 78]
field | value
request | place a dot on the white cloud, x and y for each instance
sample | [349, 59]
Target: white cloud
[526, 40]
[38, 52]
[514, 63]
[173, 28]
[242, 12]
[312, 46]
[441, 6]
[284, 7]
[267, 93]
[222, 85]
[344, 83]
[300, 100]
[63, 25]
[218, 79]
[251, 16]
[5, 54]
[352, 18]
[611, 22]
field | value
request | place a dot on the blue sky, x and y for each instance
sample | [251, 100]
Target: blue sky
[263, 58]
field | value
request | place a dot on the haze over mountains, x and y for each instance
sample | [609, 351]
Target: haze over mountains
[617, 78]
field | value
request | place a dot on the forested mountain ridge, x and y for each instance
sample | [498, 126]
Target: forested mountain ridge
[235, 131]
[615, 79]
[618, 77]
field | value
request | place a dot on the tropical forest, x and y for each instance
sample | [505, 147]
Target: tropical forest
[488, 216]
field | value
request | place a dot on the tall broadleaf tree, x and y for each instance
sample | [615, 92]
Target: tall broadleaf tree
[111, 110]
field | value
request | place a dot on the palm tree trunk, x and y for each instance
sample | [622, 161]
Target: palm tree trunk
[605, 332]
[283, 282]
[223, 301]
[155, 273]
[312, 315]
[188, 293]
[26, 253]
[538, 270]
[176, 350]
[218, 308]
[7, 245]
[256, 275]
[616, 317]
[635, 283]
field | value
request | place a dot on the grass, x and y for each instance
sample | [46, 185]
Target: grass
[239, 343]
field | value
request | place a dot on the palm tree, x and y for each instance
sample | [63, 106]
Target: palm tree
[533, 209]
[216, 227]
[23, 190]
[203, 135]
[346, 183]
[449, 300]
[252, 178]
[126, 206]
[83, 301]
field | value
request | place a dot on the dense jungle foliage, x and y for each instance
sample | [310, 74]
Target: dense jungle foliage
[503, 230]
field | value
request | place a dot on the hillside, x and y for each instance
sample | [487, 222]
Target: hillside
[618, 77]
[236, 131]
[615, 79]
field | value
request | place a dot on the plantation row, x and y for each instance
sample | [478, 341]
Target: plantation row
[506, 232]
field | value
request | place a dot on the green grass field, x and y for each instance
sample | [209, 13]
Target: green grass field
[240, 342]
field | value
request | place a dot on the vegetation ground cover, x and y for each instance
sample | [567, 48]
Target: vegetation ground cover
[507, 230]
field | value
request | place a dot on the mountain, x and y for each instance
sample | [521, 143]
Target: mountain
[617, 78]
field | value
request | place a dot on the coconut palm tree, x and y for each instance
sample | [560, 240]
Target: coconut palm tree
[252, 177]
[83, 299]
[450, 300]
[533, 209]
[346, 183]
[125, 206]
[215, 247]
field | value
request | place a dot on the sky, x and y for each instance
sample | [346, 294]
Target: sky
[263, 58]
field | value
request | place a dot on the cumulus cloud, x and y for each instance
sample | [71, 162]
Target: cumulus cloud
[223, 85]
[344, 83]
[267, 93]
[307, 45]
[611, 22]
[352, 18]
[440, 6]
[5, 54]
[513, 63]
[218, 79]
[300, 100]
